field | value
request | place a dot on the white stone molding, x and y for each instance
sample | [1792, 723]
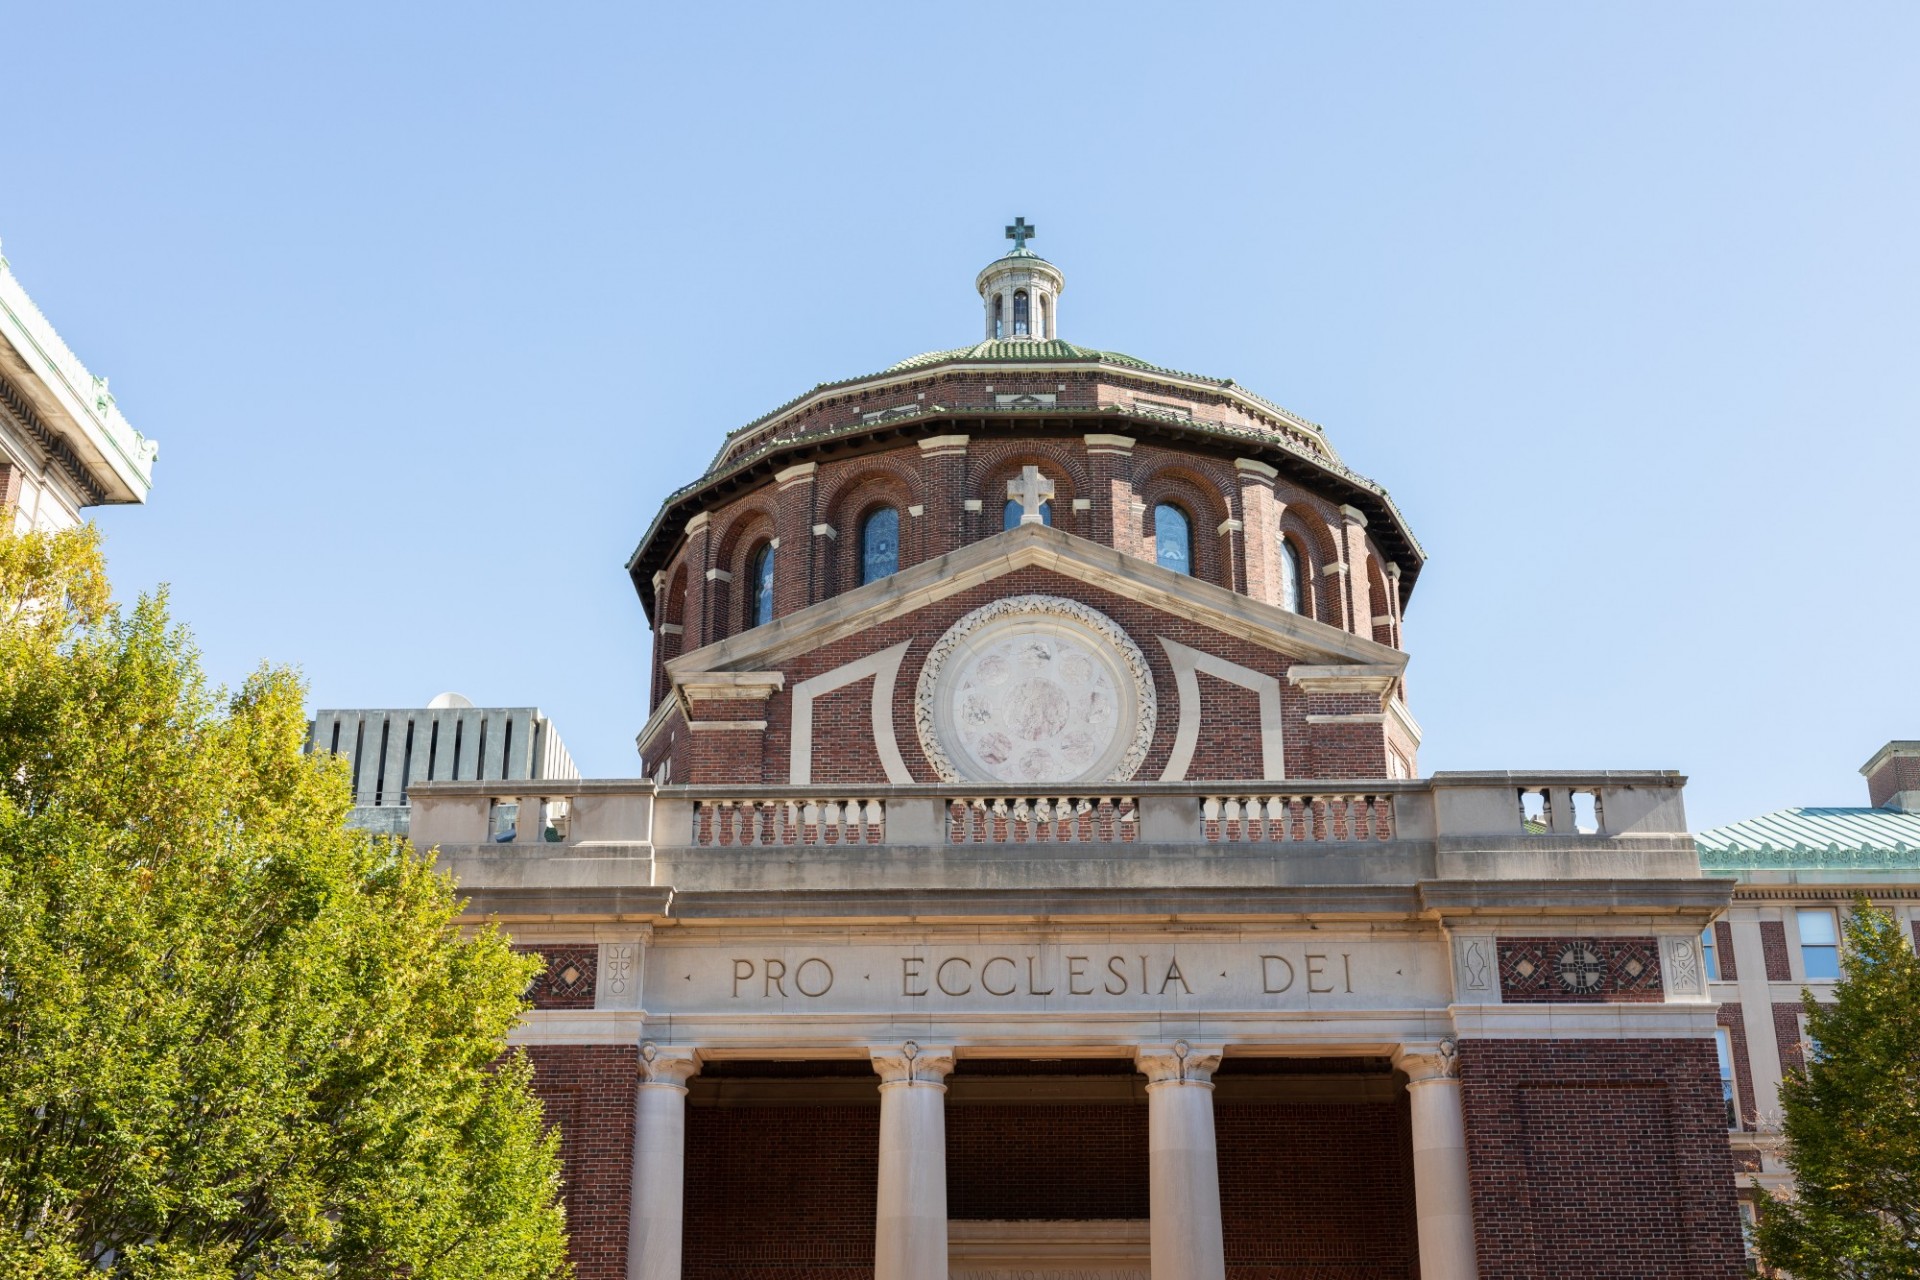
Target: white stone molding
[972, 504]
[698, 521]
[1229, 526]
[1476, 969]
[1181, 1062]
[1683, 972]
[1353, 515]
[1397, 711]
[672, 629]
[884, 667]
[1689, 1021]
[944, 446]
[659, 581]
[1061, 678]
[1187, 663]
[668, 1066]
[1105, 443]
[916, 511]
[617, 978]
[826, 531]
[709, 726]
[1083, 504]
[912, 1063]
[1253, 466]
[1342, 679]
[1356, 717]
[799, 472]
[719, 575]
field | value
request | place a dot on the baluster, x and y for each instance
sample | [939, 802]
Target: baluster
[876, 822]
[1002, 826]
[1276, 818]
[1230, 818]
[1042, 819]
[1082, 823]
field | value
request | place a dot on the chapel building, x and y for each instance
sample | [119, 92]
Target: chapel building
[1032, 875]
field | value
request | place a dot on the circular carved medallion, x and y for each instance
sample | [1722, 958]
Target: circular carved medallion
[1579, 968]
[1035, 689]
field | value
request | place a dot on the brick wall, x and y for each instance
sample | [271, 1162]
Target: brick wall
[1786, 1030]
[1599, 1158]
[1317, 1191]
[1603, 970]
[1723, 951]
[1070, 1161]
[781, 1193]
[1734, 1019]
[1773, 945]
[1899, 773]
[588, 1092]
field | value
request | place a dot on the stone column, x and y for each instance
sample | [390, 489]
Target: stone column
[1440, 1193]
[910, 1223]
[1182, 1165]
[659, 1162]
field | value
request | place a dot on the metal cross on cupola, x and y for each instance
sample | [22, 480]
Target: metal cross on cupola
[1020, 233]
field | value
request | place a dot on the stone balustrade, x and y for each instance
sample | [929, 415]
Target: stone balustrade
[557, 817]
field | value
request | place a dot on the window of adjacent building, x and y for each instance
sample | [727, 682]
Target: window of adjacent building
[1712, 956]
[1021, 314]
[879, 544]
[1819, 944]
[1010, 517]
[1172, 538]
[762, 578]
[1723, 1045]
[1289, 577]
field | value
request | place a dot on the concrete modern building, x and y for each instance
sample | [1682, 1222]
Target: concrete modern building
[64, 444]
[1796, 875]
[450, 739]
[1033, 875]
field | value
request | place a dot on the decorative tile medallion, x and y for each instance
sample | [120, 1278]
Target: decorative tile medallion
[1580, 970]
[568, 980]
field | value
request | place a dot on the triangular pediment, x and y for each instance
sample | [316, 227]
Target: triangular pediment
[1036, 546]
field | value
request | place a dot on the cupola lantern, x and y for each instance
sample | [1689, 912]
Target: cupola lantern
[1021, 292]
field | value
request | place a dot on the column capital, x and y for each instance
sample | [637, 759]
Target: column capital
[1250, 468]
[667, 1066]
[1180, 1062]
[912, 1063]
[1429, 1060]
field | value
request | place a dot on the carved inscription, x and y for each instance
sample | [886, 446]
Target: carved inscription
[1034, 974]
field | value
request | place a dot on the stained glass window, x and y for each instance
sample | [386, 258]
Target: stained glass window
[879, 544]
[1172, 538]
[1010, 517]
[1289, 577]
[763, 585]
[1020, 320]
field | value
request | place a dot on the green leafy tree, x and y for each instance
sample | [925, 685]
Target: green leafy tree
[237, 1038]
[1852, 1120]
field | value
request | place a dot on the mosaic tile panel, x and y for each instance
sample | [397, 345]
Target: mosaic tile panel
[1580, 970]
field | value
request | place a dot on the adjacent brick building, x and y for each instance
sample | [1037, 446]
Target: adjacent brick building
[1032, 875]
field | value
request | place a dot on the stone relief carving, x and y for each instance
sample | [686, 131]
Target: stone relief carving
[1683, 968]
[1035, 689]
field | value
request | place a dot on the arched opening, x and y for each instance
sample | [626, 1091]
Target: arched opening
[1045, 328]
[1010, 517]
[999, 317]
[1172, 538]
[879, 544]
[761, 611]
[1290, 578]
[1020, 314]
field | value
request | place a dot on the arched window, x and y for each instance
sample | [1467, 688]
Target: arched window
[1010, 517]
[1020, 320]
[762, 579]
[1289, 577]
[1043, 329]
[1172, 538]
[879, 544]
[999, 325]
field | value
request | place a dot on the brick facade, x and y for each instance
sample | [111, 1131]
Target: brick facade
[1734, 1019]
[588, 1091]
[1723, 951]
[1601, 1158]
[1773, 946]
[567, 981]
[1786, 1032]
[1580, 970]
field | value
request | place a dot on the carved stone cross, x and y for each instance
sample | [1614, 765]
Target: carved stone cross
[1030, 489]
[1020, 233]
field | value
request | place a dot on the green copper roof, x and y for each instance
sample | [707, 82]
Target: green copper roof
[1003, 349]
[1814, 838]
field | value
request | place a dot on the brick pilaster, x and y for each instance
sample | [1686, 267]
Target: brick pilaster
[1259, 541]
[699, 620]
[1113, 519]
[944, 522]
[1353, 550]
[798, 576]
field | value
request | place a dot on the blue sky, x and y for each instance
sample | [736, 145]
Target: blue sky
[429, 306]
